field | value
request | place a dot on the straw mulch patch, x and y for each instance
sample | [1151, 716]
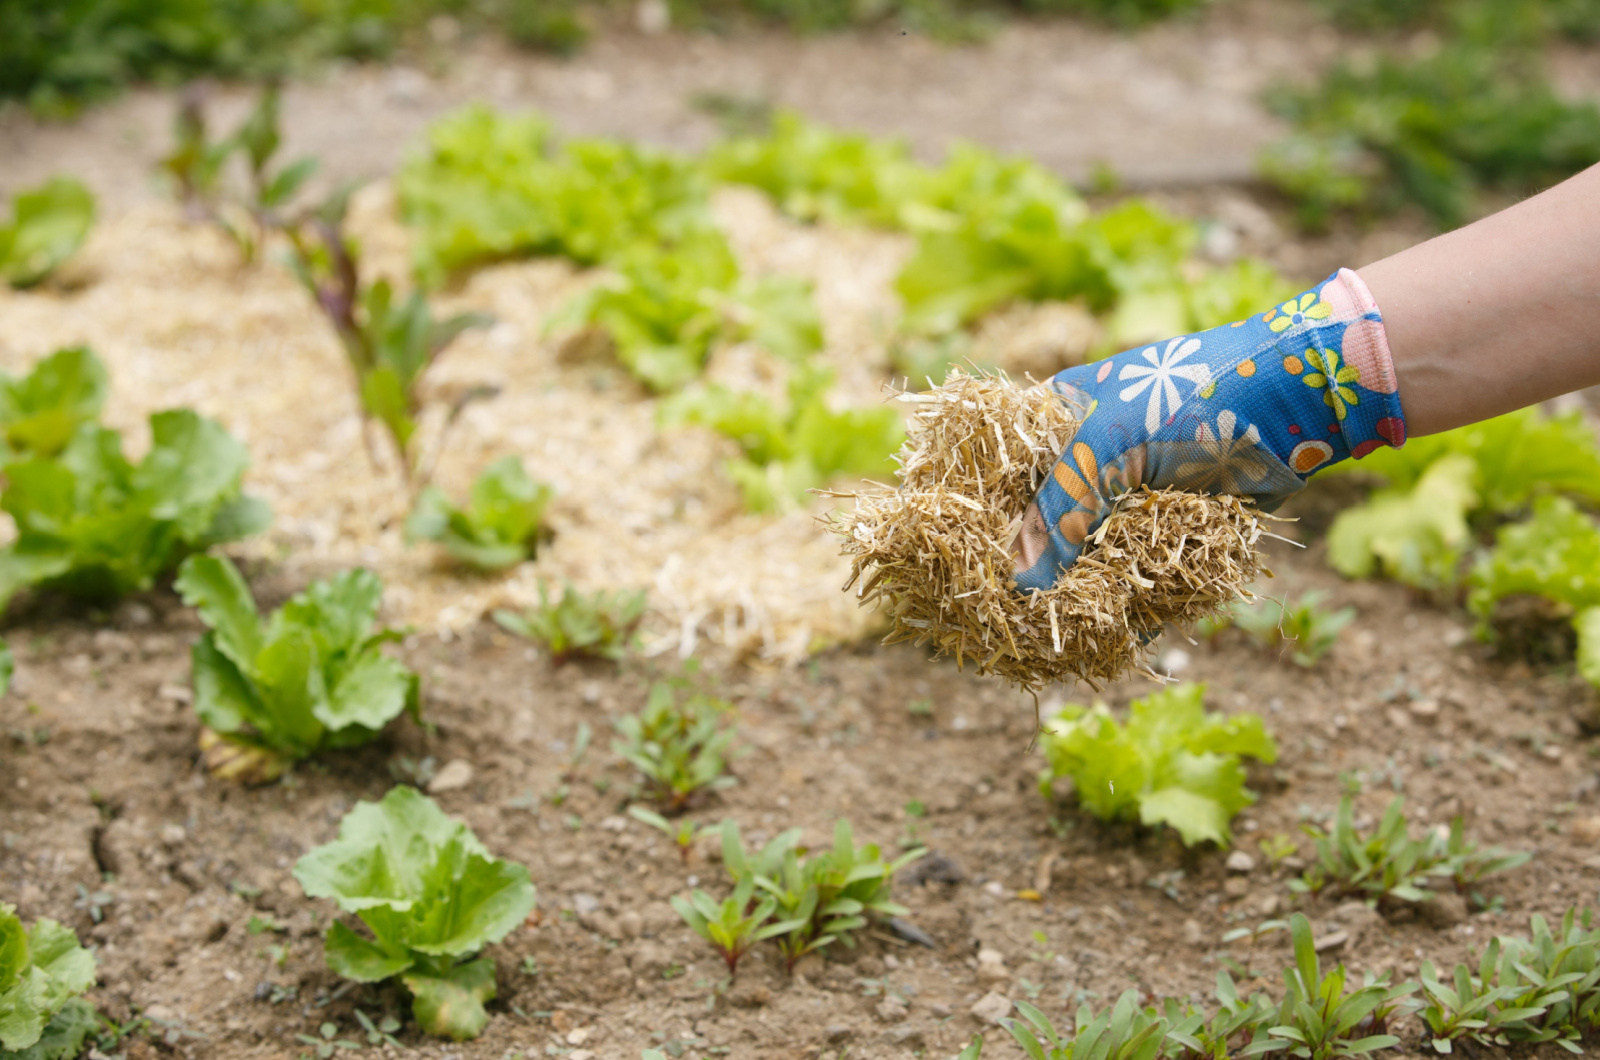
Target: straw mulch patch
[935, 553]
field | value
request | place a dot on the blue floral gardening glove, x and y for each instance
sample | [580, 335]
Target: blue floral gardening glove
[1250, 408]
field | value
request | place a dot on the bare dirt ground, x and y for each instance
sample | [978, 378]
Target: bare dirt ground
[108, 824]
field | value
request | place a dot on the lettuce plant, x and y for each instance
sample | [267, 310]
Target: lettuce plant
[1172, 763]
[41, 411]
[1415, 535]
[42, 972]
[788, 450]
[307, 678]
[48, 224]
[431, 897]
[93, 524]
[599, 625]
[499, 525]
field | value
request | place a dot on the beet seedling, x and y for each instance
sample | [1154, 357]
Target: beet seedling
[389, 344]
[735, 924]
[1125, 1031]
[197, 165]
[680, 743]
[1310, 628]
[1319, 1019]
[684, 834]
[600, 625]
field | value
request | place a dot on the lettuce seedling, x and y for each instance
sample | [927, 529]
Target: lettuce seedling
[600, 624]
[431, 896]
[41, 411]
[42, 972]
[48, 224]
[308, 678]
[1389, 865]
[92, 524]
[1172, 763]
[680, 743]
[1318, 1019]
[786, 451]
[390, 344]
[1311, 630]
[499, 526]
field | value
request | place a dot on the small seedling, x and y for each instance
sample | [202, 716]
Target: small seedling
[308, 678]
[389, 344]
[1276, 847]
[684, 834]
[1319, 1019]
[327, 1041]
[1125, 1031]
[48, 224]
[500, 525]
[380, 1033]
[1389, 865]
[197, 165]
[735, 924]
[438, 899]
[680, 742]
[599, 624]
[1307, 626]
[43, 971]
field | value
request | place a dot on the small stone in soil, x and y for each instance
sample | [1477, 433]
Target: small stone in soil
[991, 1008]
[452, 776]
[910, 932]
[839, 1033]
[892, 1009]
[1334, 941]
[1240, 863]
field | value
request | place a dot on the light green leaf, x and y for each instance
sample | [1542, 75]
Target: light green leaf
[1588, 623]
[40, 412]
[215, 588]
[364, 960]
[1415, 536]
[371, 690]
[450, 1005]
[48, 224]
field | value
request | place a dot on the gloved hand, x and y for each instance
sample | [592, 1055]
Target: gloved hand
[1250, 408]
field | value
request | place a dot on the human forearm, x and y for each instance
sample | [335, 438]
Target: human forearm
[1497, 315]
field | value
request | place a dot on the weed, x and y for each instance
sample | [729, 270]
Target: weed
[48, 224]
[600, 625]
[680, 742]
[498, 527]
[327, 1041]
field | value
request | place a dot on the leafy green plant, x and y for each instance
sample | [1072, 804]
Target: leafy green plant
[197, 165]
[390, 344]
[680, 741]
[733, 925]
[826, 897]
[308, 678]
[500, 524]
[1312, 630]
[1435, 131]
[599, 624]
[1555, 554]
[42, 411]
[1479, 1008]
[1172, 763]
[1320, 1017]
[1389, 865]
[92, 524]
[684, 834]
[42, 972]
[1125, 1031]
[1238, 1027]
[432, 897]
[789, 450]
[1415, 535]
[48, 224]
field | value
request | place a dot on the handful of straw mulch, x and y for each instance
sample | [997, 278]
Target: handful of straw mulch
[936, 551]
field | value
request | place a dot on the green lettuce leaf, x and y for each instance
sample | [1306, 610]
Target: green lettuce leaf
[1172, 763]
[1588, 623]
[430, 894]
[1413, 535]
[48, 224]
[309, 678]
[500, 524]
[42, 971]
[1555, 554]
[40, 412]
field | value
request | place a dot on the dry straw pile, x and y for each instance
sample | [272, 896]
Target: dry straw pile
[936, 551]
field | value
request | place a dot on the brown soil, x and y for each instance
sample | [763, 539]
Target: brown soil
[108, 824]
